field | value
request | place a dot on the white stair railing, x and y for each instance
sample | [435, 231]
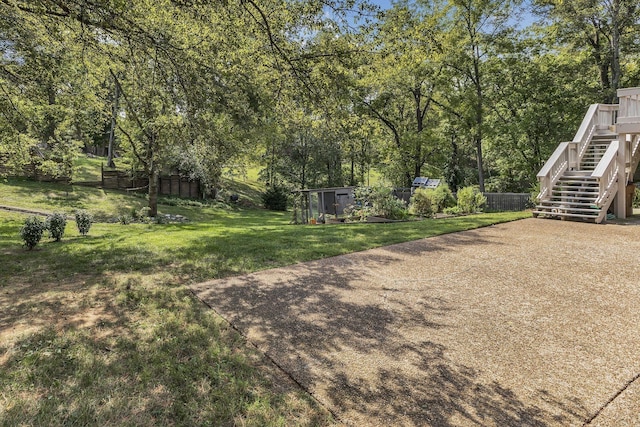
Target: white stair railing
[598, 117]
[553, 169]
[629, 105]
[633, 156]
[607, 174]
[569, 154]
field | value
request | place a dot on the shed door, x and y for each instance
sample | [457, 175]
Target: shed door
[343, 200]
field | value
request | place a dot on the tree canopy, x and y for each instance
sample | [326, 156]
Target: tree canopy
[317, 93]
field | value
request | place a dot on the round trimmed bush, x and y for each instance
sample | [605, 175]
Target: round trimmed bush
[56, 223]
[83, 221]
[32, 230]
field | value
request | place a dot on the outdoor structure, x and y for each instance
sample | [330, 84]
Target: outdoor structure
[168, 185]
[586, 177]
[321, 202]
[424, 182]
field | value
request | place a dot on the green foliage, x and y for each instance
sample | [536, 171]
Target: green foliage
[454, 210]
[376, 201]
[470, 199]
[361, 209]
[427, 201]
[56, 224]
[140, 215]
[390, 207]
[422, 202]
[636, 198]
[276, 198]
[535, 192]
[124, 219]
[32, 231]
[83, 221]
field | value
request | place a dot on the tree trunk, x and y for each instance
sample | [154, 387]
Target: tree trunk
[453, 166]
[153, 190]
[352, 174]
[478, 142]
[616, 71]
[114, 112]
[479, 122]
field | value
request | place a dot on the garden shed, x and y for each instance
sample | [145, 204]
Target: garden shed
[320, 203]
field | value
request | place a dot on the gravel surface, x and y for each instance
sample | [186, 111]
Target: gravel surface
[530, 323]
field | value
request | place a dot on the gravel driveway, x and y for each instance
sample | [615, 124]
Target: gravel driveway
[530, 323]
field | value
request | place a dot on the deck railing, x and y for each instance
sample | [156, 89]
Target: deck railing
[553, 169]
[633, 156]
[599, 116]
[569, 154]
[607, 174]
[629, 105]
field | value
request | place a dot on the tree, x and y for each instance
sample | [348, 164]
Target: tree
[400, 81]
[537, 100]
[193, 76]
[48, 105]
[607, 29]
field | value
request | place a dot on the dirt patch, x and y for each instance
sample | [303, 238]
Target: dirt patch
[31, 307]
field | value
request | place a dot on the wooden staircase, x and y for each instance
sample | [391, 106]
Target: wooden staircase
[584, 177]
[575, 194]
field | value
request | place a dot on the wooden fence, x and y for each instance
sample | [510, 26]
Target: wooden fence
[402, 194]
[171, 185]
[175, 185]
[122, 180]
[498, 202]
[501, 202]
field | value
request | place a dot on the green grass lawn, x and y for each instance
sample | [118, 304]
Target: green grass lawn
[102, 329]
[88, 168]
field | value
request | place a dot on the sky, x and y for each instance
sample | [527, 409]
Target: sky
[524, 21]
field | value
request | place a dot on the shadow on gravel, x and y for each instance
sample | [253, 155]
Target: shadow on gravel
[363, 345]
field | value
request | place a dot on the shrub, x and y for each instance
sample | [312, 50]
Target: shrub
[454, 210]
[443, 198]
[56, 223]
[140, 215]
[426, 202]
[636, 198]
[535, 192]
[276, 198]
[470, 200]
[83, 221]
[376, 201]
[361, 208]
[32, 231]
[391, 207]
[422, 202]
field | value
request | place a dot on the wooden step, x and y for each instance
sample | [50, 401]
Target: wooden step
[577, 183]
[579, 205]
[570, 215]
[563, 198]
[575, 193]
[564, 187]
[568, 209]
[578, 173]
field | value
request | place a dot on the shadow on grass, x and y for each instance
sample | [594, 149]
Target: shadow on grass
[367, 345]
[153, 357]
[244, 248]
